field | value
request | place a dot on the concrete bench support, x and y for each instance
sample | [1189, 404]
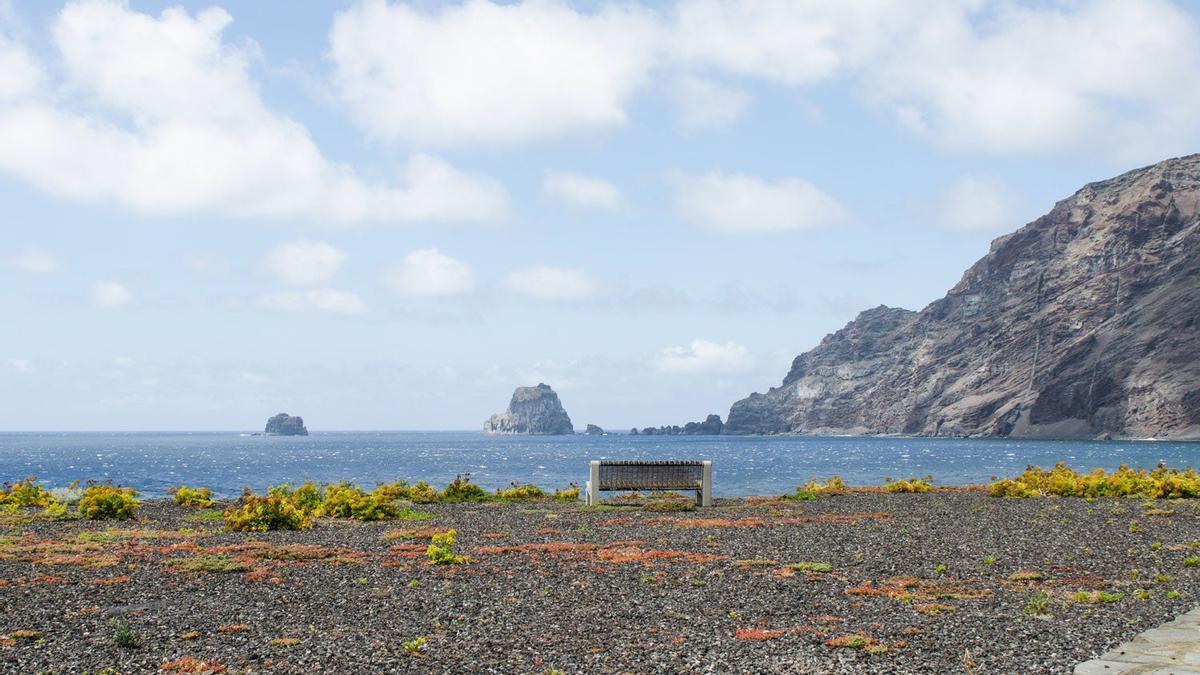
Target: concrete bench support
[638, 475]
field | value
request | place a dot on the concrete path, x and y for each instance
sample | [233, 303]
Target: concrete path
[1172, 648]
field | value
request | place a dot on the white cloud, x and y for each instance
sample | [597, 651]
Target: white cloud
[305, 263]
[110, 294]
[20, 365]
[792, 42]
[541, 282]
[978, 203]
[705, 104]
[480, 71]
[702, 356]
[427, 272]
[741, 203]
[324, 300]
[35, 260]
[580, 191]
[161, 116]
[1110, 77]
[19, 75]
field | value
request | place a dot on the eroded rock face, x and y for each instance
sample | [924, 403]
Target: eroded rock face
[1080, 324]
[533, 410]
[284, 424]
[594, 430]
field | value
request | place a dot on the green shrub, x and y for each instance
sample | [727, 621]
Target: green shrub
[570, 494]
[461, 489]
[801, 495]
[259, 514]
[346, 500]
[393, 491]
[1037, 604]
[911, 486]
[108, 502]
[200, 497]
[415, 646]
[833, 486]
[306, 498]
[1161, 483]
[527, 491]
[59, 511]
[25, 493]
[422, 493]
[123, 636]
[441, 549]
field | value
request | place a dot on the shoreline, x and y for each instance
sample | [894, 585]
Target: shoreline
[914, 581]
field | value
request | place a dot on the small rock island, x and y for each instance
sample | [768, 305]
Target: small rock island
[284, 424]
[711, 426]
[533, 410]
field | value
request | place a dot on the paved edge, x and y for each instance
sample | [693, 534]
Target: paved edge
[1172, 648]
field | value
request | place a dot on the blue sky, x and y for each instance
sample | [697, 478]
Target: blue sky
[389, 215]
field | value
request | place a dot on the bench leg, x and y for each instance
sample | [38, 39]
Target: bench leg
[593, 484]
[706, 485]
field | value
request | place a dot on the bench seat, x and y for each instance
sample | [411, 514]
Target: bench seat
[614, 474]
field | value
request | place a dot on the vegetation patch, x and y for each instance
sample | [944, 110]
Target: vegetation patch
[25, 493]
[191, 664]
[859, 641]
[260, 514]
[209, 564]
[200, 498]
[807, 566]
[758, 634]
[108, 502]
[1160, 483]
[441, 549]
[833, 486]
[1026, 575]
[910, 486]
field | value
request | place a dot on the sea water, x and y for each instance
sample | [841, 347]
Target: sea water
[153, 462]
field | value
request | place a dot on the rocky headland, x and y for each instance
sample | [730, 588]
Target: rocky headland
[1080, 324]
[532, 410]
[284, 424]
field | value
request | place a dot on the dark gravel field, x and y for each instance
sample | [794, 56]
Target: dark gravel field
[952, 581]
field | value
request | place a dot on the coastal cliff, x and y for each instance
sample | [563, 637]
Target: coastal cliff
[1080, 324]
[532, 410]
[284, 424]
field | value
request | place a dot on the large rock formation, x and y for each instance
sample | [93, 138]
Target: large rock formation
[1080, 324]
[533, 410]
[284, 424]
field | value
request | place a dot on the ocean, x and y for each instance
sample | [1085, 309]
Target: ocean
[153, 462]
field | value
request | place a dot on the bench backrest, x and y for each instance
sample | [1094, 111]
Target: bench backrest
[647, 475]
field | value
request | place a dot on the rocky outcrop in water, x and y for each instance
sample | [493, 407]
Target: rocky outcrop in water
[593, 430]
[533, 410]
[711, 426]
[284, 424]
[1079, 324]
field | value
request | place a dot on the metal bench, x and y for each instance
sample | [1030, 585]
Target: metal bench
[611, 474]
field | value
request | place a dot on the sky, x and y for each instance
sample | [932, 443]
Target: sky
[387, 215]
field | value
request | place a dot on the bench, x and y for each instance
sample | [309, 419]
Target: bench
[611, 474]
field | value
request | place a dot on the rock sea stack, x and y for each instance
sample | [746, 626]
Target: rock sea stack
[284, 424]
[532, 410]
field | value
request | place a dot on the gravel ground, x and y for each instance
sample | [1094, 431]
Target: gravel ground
[917, 583]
